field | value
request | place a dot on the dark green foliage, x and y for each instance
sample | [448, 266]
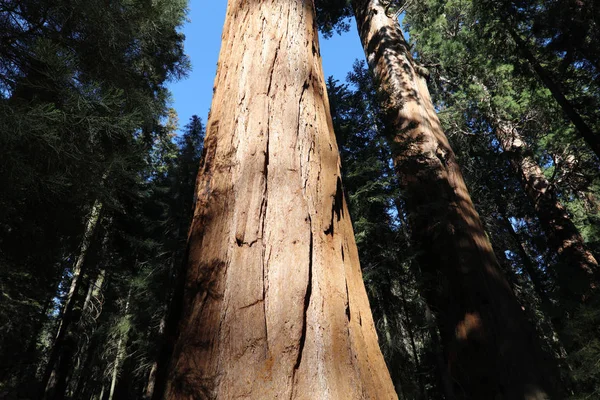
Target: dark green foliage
[333, 16]
[82, 94]
[478, 85]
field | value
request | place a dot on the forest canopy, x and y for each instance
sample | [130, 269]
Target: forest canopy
[426, 228]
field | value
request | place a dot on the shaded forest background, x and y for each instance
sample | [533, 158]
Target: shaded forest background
[98, 187]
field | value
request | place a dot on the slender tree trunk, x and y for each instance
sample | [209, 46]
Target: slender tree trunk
[491, 350]
[94, 292]
[101, 395]
[50, 378]
[591, 138]
[578, 269]
[274, 303]
[90, 311]
[152, 375]
[394, 360]
[120, 352]
[90, 228]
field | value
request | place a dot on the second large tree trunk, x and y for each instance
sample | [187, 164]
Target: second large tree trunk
[578, 268]
[274, 303]
[491, 351]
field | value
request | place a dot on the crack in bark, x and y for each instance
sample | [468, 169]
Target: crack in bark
[263, 206]
[304, 87]
[272, 69]
[264, 301]
[348, 315]
[336, 207]
[251, 304]
[307, 297]
[240, 242]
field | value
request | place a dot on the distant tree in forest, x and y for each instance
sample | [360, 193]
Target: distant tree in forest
[82, 94]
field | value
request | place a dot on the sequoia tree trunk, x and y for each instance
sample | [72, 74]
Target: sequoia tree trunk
[578, 269]
[274, 304]
[491, 351]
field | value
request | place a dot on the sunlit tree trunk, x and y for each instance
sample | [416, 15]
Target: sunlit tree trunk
[92, 307]
[51, 379]
[577, 272]
[152, 374]
[120, 351]
[274, 303]
[490, 349]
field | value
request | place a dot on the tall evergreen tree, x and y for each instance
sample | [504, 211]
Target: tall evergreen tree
[480, 95]
[476, 308]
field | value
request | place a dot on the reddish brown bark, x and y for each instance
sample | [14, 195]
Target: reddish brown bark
[578, 268]
[490, 350]
[274, 303]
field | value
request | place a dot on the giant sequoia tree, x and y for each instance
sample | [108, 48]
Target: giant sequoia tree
[490, 349]
[274, 303]
[484, 93]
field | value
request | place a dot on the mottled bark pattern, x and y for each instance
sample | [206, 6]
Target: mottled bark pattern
[578, 270]
[274, 303]
[490, 350]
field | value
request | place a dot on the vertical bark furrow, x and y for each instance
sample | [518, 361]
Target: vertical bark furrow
[306, 299]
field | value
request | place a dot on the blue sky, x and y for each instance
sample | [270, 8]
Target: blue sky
[203, 39]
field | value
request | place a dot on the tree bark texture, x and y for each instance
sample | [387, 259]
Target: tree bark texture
[491, 351]
[577, 273]
[274, 304]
